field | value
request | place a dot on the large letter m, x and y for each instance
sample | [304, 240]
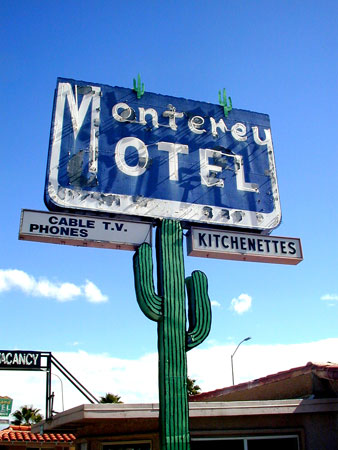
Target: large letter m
[90, 96]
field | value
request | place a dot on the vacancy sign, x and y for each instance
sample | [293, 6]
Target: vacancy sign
[84, 231]
[244, 246]
[160, 156]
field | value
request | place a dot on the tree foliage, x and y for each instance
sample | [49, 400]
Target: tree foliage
[193, 389]
[26, 415]
[110, 398]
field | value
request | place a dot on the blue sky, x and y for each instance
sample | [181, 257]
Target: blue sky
[275, 57]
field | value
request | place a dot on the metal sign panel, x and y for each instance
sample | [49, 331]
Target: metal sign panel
[160, 157]
[6, 404]
[85, 231]
[20, 360]
[244, 246]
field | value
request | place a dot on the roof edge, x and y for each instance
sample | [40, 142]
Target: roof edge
[327, 370]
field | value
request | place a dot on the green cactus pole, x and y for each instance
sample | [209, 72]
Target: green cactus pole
[168, 309]
[224, 102]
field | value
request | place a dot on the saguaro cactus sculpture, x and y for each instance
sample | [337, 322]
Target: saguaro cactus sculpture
[168, 309]
[139, 87]
[224, 102]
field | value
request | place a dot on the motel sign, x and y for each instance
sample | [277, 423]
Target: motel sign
[160, 157]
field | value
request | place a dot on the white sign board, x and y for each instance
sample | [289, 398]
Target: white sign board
[83, 231]
[243, 246]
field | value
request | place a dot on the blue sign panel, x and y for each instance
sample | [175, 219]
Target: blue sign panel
[160, 157]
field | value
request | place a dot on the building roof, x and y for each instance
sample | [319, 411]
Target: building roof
[310, 389]
[23, 434]
[314, 380]
[140, 419]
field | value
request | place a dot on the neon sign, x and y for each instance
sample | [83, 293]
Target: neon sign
[160, 157]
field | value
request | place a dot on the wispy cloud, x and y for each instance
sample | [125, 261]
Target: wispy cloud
[241, 304]
[330, 297]
[11, 279]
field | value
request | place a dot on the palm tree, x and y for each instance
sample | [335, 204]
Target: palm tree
[110, 398]
[192, 388]
[26, 415]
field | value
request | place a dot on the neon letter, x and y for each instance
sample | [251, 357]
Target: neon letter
[195, 123]
[238, 132]
[206, 168]
[173, 150]
[172, 114]
[214, 125]
[125, 107]
[144, 112]
[120, 153]
[78, 115]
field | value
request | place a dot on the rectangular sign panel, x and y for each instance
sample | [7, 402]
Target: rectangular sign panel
[160, 157]
[243, 246]
[86, 231]
[6, 404]
[19, 359]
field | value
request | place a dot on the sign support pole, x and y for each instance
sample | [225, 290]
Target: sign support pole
[48, 389]
[167, 308]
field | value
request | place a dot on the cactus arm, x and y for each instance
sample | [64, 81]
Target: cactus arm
[149, 302]
[199, 309]
[230, 103]
[219, 95]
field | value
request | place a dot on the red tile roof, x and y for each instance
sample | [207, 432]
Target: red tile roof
[22, 433]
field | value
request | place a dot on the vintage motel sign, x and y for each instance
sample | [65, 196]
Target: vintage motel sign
[160, 157]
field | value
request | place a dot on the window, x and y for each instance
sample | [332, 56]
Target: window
[247, 443]
[127, 446]
[218, 444]
[275, 443]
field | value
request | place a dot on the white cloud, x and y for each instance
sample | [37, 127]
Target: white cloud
[136, 380]
[330, 297]
[93, 293]
[12, 279]
[62, 292]
[241, 304]
[215, 303]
